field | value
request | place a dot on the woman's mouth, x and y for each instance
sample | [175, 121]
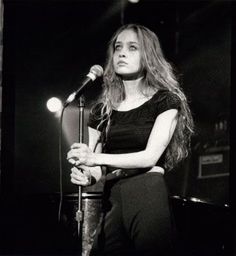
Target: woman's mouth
[121, 63]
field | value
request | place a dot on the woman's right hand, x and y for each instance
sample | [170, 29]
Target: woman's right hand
[81, 176]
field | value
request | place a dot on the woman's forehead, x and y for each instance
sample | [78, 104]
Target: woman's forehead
[127, 35]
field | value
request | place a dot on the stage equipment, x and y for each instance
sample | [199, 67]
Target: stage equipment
[91, 205]
[82, 216]
[95, 71]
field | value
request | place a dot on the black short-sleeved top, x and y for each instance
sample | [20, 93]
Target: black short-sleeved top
[129, 130]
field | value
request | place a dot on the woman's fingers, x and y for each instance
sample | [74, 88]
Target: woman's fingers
[79, 145]
[78, 177]
[80, 154]
[78, 151]
[80, 183]
[73, 153]
[73, 156]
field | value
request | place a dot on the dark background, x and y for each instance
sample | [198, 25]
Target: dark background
[49, 47]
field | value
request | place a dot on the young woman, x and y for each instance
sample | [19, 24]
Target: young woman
[139, 129]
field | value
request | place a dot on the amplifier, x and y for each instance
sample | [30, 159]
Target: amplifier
[214, 162]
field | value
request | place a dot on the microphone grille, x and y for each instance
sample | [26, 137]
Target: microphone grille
[97, 70]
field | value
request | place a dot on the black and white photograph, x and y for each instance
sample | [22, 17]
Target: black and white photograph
[116, 128]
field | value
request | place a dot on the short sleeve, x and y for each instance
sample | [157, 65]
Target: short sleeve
[166, 100]
[95, 117]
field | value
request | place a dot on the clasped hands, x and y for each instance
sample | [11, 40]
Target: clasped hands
[82, 157]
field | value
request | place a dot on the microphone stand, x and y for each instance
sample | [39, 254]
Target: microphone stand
[79, 213]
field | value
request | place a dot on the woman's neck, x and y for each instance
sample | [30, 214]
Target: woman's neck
[132, 88]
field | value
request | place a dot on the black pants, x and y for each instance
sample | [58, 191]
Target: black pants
[137, 219]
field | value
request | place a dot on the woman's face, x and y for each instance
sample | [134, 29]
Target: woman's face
[127, 57]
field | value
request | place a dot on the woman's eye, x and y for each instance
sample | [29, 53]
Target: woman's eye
[133, 48]
[117, 47]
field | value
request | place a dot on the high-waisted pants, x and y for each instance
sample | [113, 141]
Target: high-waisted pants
[136, 218]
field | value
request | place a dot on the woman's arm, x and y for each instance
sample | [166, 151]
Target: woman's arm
[159, 139]
[88, 173]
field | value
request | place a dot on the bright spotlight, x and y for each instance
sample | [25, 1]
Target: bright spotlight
[54, 104]
[133, 1]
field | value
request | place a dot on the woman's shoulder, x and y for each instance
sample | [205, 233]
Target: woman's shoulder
[162, 94]
[165, 99]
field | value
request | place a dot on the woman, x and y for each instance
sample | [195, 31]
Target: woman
[139, 129]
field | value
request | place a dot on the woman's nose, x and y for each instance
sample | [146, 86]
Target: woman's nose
[122, 53]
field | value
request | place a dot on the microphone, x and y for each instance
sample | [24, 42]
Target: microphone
[94, 72]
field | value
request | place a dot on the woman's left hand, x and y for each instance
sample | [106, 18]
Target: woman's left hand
[81, 154]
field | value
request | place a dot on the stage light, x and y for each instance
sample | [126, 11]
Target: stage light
[133, 1]
[54, 104]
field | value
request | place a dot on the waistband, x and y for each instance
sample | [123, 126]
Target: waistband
[125, 173]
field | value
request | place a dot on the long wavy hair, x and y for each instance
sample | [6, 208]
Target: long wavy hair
[158, 75]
